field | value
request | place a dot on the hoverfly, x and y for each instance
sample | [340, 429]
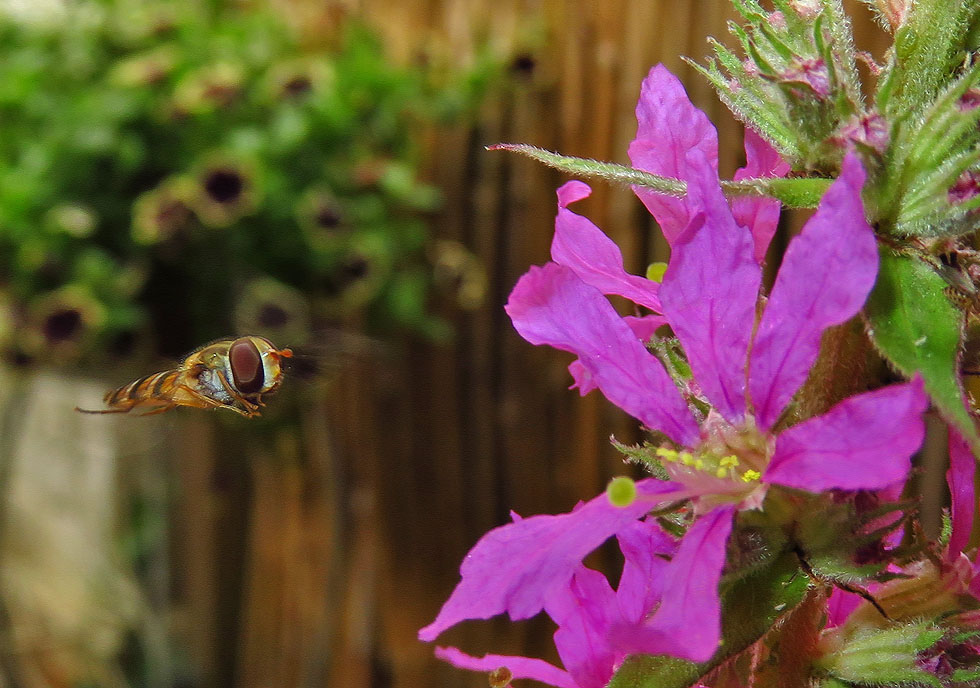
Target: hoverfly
[229, 373]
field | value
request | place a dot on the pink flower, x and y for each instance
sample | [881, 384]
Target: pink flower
[746, 369]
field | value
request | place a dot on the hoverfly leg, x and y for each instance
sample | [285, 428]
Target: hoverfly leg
[236, 395]
[161, 409]
[104, 411]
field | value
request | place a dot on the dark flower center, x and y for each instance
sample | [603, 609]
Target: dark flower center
[224, 186]
[62, 325]
[271, 315]
[327, 217]
[297, 86]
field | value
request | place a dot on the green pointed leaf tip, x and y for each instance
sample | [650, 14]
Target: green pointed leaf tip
[913, 324]
[927, 47]
[643, 455]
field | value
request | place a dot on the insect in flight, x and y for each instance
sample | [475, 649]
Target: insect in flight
[229, 373]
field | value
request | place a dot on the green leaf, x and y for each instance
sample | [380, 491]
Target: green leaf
[794, 192]
[750, 607]
[918, 330]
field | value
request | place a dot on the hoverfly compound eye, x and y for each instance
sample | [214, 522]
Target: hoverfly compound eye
[246, 366]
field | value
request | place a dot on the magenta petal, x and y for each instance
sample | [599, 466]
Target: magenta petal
[551, 305]
[646, 549]
[709, 294]
[960, 477]
[520, 667]
[668, 126]
[516, 567]
[863, 443]
[760, 215]
[584, 612]
[580, 245]
[826, 275]
[688, 622]
[840, 604]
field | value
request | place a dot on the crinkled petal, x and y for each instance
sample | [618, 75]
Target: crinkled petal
[551, 305]
[514, 568]
[825, 277]
[863, 443]
[580, 245]
[760, 215]
[709, 294]
[688, 622]
[646, 549]
[520, 667]
[668, 126]
[582, 378]
[645, 326]
[960, 477]
[584, 611]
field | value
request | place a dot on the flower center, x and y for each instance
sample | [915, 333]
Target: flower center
[720, 467]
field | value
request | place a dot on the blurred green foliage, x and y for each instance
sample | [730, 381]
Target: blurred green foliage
[175, 172]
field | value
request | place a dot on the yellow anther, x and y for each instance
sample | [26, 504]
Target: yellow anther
[721, 472]
[730, 461]
[687, 458]
[668, 454]
[699, 464]
[751, 475]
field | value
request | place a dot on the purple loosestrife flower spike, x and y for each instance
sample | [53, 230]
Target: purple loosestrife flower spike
[723, 461]
[708, 297]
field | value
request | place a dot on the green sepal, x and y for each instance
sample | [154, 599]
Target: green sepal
[829, 533]
[914, 325]
[643, 455]
[884, 656]
[927, 46]
[965, 676]
[751, 606]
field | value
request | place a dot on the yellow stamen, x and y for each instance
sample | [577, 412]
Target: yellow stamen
[699, 464]
[721, 472]
[687, 458]
[668, 454]
[730, 461]
[751, 475]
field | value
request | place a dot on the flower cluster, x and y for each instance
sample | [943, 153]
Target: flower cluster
[724, 418]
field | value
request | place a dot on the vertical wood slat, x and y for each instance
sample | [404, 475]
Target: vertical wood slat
[348, 553]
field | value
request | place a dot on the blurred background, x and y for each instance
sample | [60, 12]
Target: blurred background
[312, 171]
